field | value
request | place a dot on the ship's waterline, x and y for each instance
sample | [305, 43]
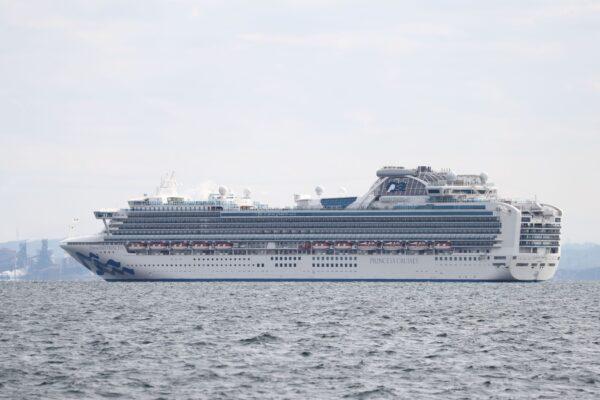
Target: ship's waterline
[412, 224]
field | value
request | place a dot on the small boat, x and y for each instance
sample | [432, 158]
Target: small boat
[393, 246]
[442, 246]
[223, 246]
[200, 246]
[321, 246]
[180, 246]
[158, 246]
[417, 246]
[367, 246]
[343, 246]
[137, 246]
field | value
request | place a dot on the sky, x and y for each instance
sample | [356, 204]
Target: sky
[99, 99]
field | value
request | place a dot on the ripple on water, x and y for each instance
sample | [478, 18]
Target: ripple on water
[299, 340]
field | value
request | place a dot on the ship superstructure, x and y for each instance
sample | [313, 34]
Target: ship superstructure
[412, 224]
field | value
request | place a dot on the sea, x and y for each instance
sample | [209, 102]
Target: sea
[87, 340]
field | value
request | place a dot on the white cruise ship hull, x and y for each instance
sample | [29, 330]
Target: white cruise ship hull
[114, 263]
[412, 224]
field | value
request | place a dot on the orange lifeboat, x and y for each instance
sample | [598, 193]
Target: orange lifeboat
[180, 246]
[442, 246]
[200, 246]
[392, 246]
[418, 246]
[137, 246]
[367, 246]
[158, 246]
[321, 246]
[223, 246]
[343, 246]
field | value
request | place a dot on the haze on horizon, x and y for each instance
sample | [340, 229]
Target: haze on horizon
[101, 98]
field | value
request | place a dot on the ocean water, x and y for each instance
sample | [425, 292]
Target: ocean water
[299, 340]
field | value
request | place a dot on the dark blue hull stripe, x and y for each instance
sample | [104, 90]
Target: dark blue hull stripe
[304, 280]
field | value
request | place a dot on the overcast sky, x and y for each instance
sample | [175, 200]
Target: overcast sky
[99, 99]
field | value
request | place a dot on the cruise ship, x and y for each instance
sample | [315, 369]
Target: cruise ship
[412, 224]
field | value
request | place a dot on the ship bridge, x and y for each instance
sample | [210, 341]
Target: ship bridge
[422, 185]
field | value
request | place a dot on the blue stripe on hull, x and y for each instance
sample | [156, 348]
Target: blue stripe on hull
[305, 280]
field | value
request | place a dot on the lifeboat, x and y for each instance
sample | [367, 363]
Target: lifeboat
[367, 246]
[180, 246]
[158, 246]
[393, 246]
[137, 246]
[417, 246]
[442, 246]
[223, 246]
[342, 246]
[321, 246]
[200, 246]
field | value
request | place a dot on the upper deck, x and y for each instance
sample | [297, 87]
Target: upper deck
[395, 187]
[402, 205]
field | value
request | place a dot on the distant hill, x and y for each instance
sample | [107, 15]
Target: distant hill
[580, 256]
[589, 274]
[578, 262]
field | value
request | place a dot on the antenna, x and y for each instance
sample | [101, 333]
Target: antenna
[72, 225]
[14, 274]
[168, 185]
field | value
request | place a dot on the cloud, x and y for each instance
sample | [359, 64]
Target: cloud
[364, 118]
[403, 38]
[549, 12]
[531, 49]
[99, 99]
[387, 42]
[585, 85]
[594, 85]
[201, 191]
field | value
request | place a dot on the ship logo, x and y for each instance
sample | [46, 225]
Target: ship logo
[112, 267]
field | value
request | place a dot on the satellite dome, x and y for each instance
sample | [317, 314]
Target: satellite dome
[450, 176]
[319, 190]
[223, 190]
[483, 176]
[342, 190]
